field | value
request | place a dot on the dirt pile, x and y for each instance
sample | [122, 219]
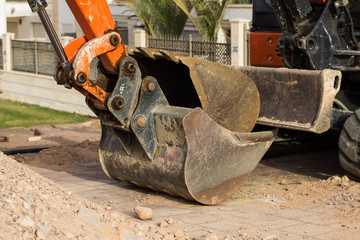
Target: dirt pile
[83, 152]
[35, 207]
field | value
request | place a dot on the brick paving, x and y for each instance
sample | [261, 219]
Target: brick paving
[234, 218]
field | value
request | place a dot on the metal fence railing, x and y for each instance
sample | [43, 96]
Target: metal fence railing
[46, 58]
[23, 56]
[215, 52]
[39, 58]
[1, 55]
[34, 57]
[211, 51]
[171, 45]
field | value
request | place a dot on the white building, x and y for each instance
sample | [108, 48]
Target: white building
[27, 25]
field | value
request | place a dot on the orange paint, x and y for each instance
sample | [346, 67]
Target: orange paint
[73, 47]
[94, 18]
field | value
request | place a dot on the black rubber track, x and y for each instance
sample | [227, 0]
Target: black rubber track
[349, 149]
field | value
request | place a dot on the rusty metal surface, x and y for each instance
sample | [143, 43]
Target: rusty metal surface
[191, 161]
[295, 99]
[228, 96]
[174, 146]
[127, 90]
[155, 124]
[219, 161]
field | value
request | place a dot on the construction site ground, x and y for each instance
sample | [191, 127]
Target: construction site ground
[292, 195]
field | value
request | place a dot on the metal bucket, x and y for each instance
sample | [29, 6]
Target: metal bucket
[189, 134]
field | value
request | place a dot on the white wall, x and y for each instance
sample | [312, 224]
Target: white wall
[238, 11]
[2, 17]
[41, 90]
[66, 19]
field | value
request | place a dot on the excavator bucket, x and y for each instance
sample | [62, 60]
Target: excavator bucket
[170, 123]
[190, 134]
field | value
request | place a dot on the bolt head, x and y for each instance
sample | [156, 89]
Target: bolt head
[114, 40]
[129, 67]
[151, 86]
[117, 103]
[141, 122]
[81, 77]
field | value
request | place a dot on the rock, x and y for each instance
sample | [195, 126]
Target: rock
[26, 205]
[345, 179]
[335, 178]
[43, 232]
[69, 235]
[27, 222]
[143, 213]
[40, 235]
[179, 233]
[34, 139]
[4, 139]
[129, 236]
[162, 232]
[89, 216]
[163, 224]
[169, 237]
[210, 237]
[171, 220]
[118, 216]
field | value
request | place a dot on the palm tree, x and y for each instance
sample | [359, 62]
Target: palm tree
[159, 17]
[209, 14]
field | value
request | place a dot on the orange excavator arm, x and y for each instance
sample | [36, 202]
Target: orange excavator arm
[94, 18]
[101, 39]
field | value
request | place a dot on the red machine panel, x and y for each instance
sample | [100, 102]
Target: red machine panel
[263, 49]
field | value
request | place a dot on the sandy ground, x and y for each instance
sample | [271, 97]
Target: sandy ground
[35, 207]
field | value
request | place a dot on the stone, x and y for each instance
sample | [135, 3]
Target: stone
[69, 235]
[171, 220]
[27, 222]
[143, 213]
[129, 236]
[43, 232]
[162, 232]
[210, 237]
[163, 224]
[34, 139]
[39, 234]
[169, 237]
[26, 205]
[179, 233]
[89, 216]
[345, 179]
[118, 217]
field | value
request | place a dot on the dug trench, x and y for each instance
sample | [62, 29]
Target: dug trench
[61, 192]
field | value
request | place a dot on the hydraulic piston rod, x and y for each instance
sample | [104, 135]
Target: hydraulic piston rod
[39, 6]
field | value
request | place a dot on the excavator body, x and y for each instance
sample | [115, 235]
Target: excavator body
[310, 36]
